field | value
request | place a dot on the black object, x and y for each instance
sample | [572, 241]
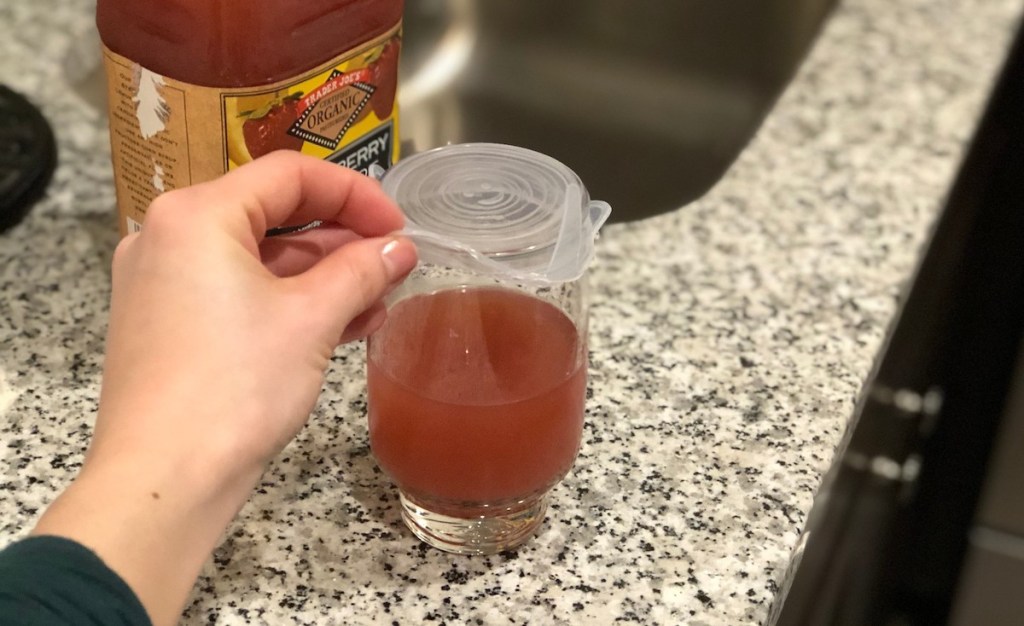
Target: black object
[902, 534]
[28, 156]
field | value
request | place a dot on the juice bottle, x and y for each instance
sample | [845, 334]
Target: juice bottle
[198, 87]
[476, 397]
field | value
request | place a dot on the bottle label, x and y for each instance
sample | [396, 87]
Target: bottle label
[167, 134]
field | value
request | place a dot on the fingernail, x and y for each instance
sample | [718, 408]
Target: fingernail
[399, 257]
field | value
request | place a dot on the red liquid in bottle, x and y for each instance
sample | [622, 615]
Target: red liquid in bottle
[238, 43]
[476, 396]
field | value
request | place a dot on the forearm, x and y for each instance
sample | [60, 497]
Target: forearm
[153, 523]
[215, 359]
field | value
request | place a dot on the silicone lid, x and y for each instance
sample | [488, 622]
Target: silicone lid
[493, 202]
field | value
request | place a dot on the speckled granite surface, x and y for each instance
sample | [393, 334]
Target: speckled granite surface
[730, 340]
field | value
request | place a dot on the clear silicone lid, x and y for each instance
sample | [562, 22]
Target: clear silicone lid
[499, 209]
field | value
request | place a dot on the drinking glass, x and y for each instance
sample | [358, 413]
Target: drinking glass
[477, 380]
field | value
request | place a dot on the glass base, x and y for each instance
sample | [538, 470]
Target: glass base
[479, 531]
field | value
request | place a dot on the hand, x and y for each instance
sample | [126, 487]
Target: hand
[216, 352]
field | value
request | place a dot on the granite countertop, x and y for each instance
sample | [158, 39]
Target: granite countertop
[730, 340]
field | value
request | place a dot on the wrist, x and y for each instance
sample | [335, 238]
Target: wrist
[154, 523]
[199, 475]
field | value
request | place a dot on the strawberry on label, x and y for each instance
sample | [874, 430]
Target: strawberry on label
[266, 129]
[385, 78]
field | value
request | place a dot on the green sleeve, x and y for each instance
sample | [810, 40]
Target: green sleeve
[53, 581]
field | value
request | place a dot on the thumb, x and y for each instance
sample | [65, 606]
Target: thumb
[354, 277]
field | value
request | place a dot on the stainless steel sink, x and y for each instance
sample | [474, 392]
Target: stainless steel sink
[649, 101]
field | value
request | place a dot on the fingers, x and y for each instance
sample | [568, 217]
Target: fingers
[286, 188]
[365, 323]
[353, 278]
[288, 255]
[122, 250]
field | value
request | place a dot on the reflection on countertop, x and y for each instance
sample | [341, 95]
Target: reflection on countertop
[730, 339]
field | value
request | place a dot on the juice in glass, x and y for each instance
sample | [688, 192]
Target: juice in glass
[476, 398]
